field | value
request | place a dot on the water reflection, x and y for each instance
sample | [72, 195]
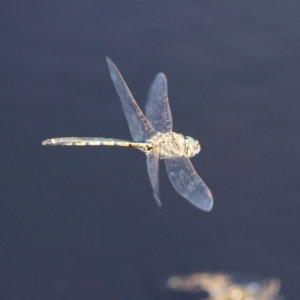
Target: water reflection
[222, 286]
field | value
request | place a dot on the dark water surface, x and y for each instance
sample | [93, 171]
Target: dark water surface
[80, 223]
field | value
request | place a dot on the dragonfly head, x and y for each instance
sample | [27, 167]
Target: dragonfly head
[192, 147]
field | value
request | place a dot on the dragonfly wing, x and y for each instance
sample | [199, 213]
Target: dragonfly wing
[140, 128]
[188, 184]
[158, 109]
[153, 171]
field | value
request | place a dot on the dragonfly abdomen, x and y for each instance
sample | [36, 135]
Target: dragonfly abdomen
[89, 141]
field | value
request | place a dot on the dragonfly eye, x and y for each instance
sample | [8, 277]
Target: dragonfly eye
[192, 147]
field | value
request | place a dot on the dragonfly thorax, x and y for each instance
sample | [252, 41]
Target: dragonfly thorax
[171, 145]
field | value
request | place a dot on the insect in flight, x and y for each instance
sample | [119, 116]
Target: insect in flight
[153, 135]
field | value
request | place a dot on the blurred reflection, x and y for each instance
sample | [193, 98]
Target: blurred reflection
[227, 287]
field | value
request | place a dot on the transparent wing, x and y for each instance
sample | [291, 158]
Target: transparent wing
[188, 184]
[158, 109]
[140, 128]
[153, 172]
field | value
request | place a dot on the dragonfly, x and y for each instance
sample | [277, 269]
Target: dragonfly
[153, 135]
